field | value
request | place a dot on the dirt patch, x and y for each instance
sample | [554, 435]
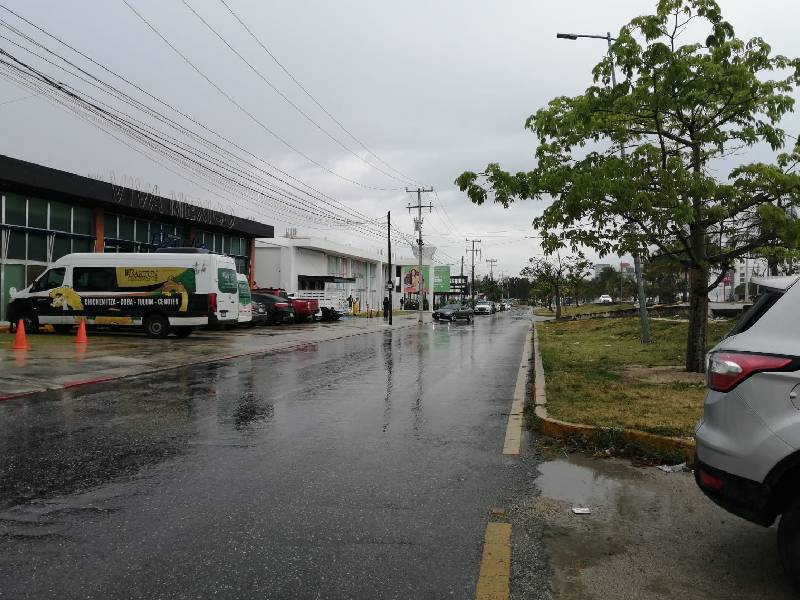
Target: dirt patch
[660, 375]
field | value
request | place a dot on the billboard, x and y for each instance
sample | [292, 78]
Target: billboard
[441, 279]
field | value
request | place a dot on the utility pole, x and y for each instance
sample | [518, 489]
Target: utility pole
[461, 280]
[390, 282]
[492, 262]
[472, 252]
[418, 226]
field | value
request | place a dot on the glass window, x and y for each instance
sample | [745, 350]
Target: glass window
[217, 243]
[33, 272]
[82, 220]
[141, 231]
[60, 216]
[37, 246]
[16, 245]
[82, 245]
[61, 247]
[15, 210]
[94, 279]
[37, 213]
[227, 281]
[125, 228]
[110, 225]
[51, 279]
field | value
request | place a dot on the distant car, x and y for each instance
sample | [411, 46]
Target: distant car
[508, 305]
[483, 308]
[606, 299]
[453, 312]
[271, 309]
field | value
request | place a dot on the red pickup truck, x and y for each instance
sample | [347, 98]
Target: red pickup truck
[304, 309]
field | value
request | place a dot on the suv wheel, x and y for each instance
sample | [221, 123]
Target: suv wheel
[156, 326]
[789, 541]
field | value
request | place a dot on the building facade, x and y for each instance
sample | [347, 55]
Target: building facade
[330, 272]
[46, 214]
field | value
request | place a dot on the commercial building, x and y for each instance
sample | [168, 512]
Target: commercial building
[46, 213]
[332, 272]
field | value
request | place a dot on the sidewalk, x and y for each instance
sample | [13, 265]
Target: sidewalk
[56, 362]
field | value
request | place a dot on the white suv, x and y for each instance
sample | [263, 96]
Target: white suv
[748, 443]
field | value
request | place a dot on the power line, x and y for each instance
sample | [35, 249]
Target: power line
[159, 101]
[284, 96]
[246, 112]
[107, 88]
[310, 96]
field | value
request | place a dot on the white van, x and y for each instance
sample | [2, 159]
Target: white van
[245, 300]
[161, 292]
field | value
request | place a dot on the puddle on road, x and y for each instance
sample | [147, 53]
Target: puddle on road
[578, 480]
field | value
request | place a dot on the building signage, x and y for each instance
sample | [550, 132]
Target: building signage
[441, 279]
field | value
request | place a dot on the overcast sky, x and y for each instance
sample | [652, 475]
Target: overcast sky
[432, 87]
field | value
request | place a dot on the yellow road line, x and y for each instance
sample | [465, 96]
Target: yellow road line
[513, 440]
[494, 579]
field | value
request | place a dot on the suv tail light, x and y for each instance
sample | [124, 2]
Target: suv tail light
[212, 302]
[726, 370]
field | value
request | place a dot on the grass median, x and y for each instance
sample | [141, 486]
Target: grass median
[584, 309]
[598, 373]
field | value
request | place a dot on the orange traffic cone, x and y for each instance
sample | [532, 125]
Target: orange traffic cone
[81, 337]
[20, 341]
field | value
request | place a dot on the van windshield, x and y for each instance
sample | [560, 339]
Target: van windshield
[228, 284]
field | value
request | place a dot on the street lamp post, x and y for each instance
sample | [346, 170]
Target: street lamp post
[637, 265]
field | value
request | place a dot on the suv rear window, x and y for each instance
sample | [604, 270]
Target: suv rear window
[755, 312]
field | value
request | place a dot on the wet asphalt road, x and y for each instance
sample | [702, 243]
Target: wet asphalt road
[359, 468]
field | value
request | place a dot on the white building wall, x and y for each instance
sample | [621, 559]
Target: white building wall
[268, 267]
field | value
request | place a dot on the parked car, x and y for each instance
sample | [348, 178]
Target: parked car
[161, 292]
[453, 312]
[748, 442]
[304, 309]
[606, 299]
[271, 309]
[483, 308]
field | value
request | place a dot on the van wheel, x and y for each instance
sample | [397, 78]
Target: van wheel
[183, 332]
[156, 326]
[789, 541]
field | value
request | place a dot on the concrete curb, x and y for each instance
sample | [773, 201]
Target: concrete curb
[216, 359]
[565, 430]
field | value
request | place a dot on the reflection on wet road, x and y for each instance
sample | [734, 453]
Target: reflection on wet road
[357, 468]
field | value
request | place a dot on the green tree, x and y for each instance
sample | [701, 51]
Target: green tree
[681, 110]
[552, 276]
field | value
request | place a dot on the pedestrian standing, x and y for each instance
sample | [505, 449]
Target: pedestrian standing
[402, 302]
[386, 308]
